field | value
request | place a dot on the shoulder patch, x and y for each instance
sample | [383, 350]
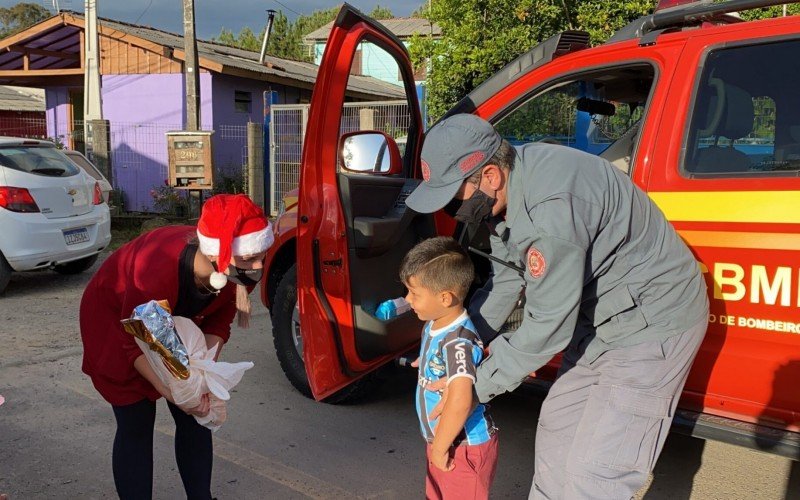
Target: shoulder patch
[537, 265]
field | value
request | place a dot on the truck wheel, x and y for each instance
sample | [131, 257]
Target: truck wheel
[76, 266]
[286, 332]
[5, 273]
[289, 345]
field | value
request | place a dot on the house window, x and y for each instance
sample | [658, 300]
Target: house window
[242, 101]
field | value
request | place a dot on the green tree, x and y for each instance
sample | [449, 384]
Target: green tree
[304, 25]
[767, 12]
[421, 11]
[481, 36]
[225, 37]
[20, 16]
[246, 39]
[381, 13]
[601, 18]
[286, 39]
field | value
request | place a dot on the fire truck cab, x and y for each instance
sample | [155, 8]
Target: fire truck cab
[699, 107]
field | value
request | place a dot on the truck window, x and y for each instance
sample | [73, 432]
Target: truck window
[391, 116]
[746, 122]
[597, 112]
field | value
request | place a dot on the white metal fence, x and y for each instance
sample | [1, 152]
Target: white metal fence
[288, 129]
[286, 133]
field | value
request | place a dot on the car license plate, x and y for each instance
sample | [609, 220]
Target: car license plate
[75, 236]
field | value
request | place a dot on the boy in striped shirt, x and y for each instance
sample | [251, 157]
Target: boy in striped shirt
[462, 441]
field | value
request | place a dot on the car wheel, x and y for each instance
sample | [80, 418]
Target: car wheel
[5, 273]
[76, 266]
[289, 345]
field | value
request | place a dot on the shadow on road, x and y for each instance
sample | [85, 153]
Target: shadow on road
[673, 476]
[784, 395]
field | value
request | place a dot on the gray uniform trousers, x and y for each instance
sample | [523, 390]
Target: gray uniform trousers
[604, 422]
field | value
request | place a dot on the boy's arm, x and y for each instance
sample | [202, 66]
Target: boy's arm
[461, 357]
[454, 415]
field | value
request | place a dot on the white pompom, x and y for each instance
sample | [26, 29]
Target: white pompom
[218, 280]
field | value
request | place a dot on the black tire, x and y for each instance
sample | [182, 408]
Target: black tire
[282, 335]
[5, 273]
[290, 357]
[76, 266]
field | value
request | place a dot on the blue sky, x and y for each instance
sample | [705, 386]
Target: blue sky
[212, 15]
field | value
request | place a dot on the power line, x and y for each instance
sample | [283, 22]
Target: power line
[287, 7]
[143, 12]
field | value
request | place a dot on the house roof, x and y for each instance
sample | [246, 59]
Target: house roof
[21, 99]
[401, 27]
[54, 44]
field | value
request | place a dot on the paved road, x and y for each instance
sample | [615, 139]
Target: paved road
[55, 432]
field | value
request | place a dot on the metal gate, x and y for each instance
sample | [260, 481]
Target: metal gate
[287, 132]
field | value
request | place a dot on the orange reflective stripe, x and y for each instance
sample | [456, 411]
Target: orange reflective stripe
[725, 239]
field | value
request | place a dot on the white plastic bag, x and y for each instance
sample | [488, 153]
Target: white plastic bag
[205, 374]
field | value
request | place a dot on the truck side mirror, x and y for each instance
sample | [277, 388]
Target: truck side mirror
[369, 151]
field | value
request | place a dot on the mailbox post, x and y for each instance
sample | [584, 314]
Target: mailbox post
[191, 164]
[190, 160]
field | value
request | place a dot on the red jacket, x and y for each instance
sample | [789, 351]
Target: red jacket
[144, 269]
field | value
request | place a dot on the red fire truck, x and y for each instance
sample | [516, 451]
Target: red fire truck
[699, 107]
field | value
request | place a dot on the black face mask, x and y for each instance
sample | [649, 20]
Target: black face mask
[475, 209]
[246, 277]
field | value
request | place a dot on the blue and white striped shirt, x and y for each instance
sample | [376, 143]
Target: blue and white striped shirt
[451, 352]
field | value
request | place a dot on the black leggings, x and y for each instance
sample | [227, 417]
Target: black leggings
[132, 459]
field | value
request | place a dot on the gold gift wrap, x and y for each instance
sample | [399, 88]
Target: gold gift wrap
[137, 328]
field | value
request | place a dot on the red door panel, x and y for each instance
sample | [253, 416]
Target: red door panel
[326, 311]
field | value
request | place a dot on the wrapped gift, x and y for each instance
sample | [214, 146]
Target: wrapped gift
[152, 324]
[176, 350]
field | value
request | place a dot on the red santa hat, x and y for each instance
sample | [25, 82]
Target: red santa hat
[231, 225]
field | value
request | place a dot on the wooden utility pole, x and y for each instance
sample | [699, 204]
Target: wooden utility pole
[96, 131]
[190, 68]
[92, 99]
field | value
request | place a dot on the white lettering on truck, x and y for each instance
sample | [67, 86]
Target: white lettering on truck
[765, 288]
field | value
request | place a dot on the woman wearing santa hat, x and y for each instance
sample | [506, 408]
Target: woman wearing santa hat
[206, 274]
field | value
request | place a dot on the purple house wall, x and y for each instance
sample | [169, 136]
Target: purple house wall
[141, 110]
[143, 107]
[230, 144]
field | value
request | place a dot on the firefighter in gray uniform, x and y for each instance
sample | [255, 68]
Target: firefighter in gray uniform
[606, 280]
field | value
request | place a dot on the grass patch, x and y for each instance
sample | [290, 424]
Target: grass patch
[121, 236]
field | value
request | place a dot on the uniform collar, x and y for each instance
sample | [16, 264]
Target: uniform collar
[514, 195]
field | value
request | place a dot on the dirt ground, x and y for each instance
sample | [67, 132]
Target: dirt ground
[56, 433]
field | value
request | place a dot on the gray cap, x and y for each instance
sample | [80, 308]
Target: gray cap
[454, 149]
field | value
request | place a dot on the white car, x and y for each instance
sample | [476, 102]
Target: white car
[88, 167]
[52, 213]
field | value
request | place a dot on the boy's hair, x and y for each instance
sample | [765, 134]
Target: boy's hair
[439, 264]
